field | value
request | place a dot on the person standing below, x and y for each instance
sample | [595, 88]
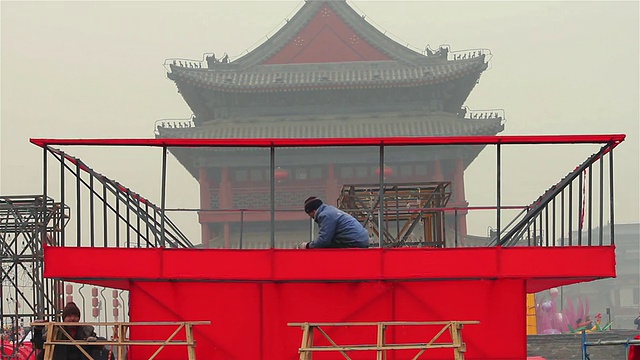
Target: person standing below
[70, 314]
[337, 228]
[637, 322]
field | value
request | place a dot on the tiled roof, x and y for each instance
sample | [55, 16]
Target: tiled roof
[441, 124]
[329, 75]
[355, 21]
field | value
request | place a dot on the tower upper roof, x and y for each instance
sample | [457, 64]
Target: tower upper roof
[325, 32]
[328, 45]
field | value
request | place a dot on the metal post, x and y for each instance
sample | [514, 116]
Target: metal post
[62, 199]
[78, 206]
[611, 218]
[601, 215]
[498, 242]
[272, 170]
[92, 219]
[105, 234]
[117, 218]
[43, 236]
[580, 209]
[585, 355]
[562, 218]
[455, 227]
[241, 226]
[155, 223]
[546, 224]
[590, 197]
[137, 215]
[128, 226]
[553, 225]
[163, 196]
[570, 220]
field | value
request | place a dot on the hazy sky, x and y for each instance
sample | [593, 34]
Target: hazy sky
[95, 70]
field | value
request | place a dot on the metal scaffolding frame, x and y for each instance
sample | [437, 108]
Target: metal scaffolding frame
[406, 206]
[26, 295]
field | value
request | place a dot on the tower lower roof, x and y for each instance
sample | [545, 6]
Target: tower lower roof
[355, 126]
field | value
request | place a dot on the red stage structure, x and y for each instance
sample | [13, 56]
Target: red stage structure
[251, 295]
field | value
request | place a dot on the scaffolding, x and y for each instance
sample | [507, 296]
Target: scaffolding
[57, 335]
[382, 347]
[26, 294]
[405, 209]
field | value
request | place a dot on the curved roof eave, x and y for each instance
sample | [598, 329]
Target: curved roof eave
[316, 77]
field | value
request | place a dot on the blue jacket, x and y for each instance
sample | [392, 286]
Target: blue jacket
[338, 230]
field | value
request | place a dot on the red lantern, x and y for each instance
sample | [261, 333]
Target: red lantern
[388, 171]
[280, 174]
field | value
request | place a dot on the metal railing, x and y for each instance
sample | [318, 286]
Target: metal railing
[627, 343]
[566, 207]
[565, 215]
[121, 216]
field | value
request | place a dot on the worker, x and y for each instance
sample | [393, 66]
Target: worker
[337, 228]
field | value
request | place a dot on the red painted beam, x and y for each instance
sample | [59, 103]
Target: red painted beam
[539, 266]
[614, 139]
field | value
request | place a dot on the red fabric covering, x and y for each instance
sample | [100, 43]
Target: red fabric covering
[250, 295]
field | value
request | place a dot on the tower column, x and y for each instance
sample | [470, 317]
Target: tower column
[332, 191]
[205, 204]
[459, 196]
[437, 171]
[226, 201]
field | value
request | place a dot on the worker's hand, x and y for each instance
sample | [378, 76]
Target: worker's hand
[303, 245]
[92, 339]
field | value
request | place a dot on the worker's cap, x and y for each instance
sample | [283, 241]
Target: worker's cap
[312, 203]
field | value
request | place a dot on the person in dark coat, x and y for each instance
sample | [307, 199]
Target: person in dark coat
[70, 314]
[337, 228]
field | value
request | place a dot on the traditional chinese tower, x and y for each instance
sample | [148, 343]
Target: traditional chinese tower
[326, 73]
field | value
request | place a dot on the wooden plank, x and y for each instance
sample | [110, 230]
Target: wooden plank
[393, 323]
[455, 338]
[191, 347]
[380, 343]
[386, 347]
[304, 354]
[113, 323]
[122, 337]
[126, 343]
[49, 348]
